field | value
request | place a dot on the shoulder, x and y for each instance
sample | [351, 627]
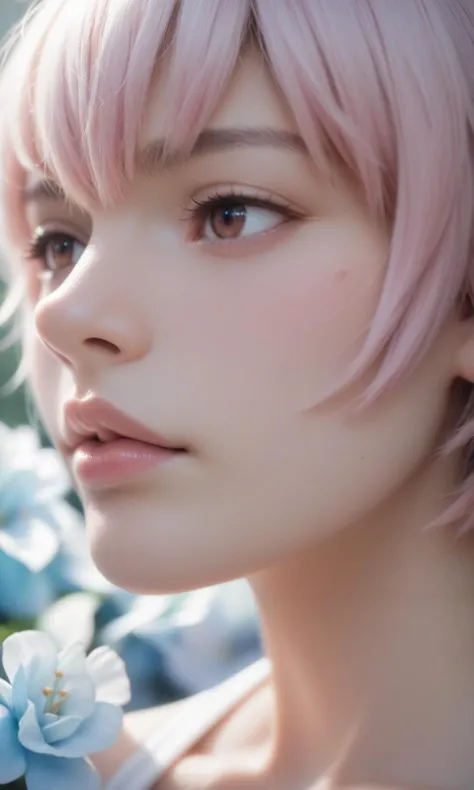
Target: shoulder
[245, 724]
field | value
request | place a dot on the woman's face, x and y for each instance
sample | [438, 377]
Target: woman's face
[218, 305]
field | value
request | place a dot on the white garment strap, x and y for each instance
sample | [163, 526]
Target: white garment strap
[148, 764]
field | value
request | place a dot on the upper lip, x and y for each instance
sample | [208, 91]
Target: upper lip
[95, 417]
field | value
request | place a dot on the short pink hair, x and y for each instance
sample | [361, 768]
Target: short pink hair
[384, 87]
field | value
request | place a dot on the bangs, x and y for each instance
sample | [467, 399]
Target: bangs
[379, 91]
[85, 71]
[82, 74]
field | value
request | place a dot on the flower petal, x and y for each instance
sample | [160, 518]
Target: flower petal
[23, 595]
[30, 541]
[97, 733]
[19, 694]
[5, 693]
[40, 674]
[30, 735]
[72, 660]
[70, 618]
[45, 773]
[12, 755]
[81, 696]
[52, 474]
[76, 682]
[62, 728]
[109, 675]
[20, 650]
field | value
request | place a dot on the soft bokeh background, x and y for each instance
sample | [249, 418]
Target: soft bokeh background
[12, 409]
[174, 645]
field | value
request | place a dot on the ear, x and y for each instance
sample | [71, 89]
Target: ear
[464, 354]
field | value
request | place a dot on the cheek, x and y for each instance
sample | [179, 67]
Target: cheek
[316, 329]
[296, 324]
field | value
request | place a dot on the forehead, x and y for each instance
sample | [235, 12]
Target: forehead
[251, 99]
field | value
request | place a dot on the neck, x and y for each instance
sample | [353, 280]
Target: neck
[371, 639]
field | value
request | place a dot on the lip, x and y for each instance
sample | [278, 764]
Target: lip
[128, 448]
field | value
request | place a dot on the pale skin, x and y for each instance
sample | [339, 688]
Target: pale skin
[229, 346]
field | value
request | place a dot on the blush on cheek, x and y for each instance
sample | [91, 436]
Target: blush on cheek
[314, 330]
[341, 275]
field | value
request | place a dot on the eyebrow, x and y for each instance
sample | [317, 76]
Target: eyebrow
[46, 189]
[157, 155]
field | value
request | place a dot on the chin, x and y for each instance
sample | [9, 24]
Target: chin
[154, 557]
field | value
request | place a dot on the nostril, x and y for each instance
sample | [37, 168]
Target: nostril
[105, 345]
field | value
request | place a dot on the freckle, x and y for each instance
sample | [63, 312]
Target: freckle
[341, 275]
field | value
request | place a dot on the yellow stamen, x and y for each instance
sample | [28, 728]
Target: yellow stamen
[55, 696]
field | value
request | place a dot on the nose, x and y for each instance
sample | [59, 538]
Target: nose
[92, 319]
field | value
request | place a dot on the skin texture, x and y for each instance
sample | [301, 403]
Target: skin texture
[232, 348]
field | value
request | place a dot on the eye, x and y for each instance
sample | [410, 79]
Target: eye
[56, 251]
[227, 218]
[232, 221]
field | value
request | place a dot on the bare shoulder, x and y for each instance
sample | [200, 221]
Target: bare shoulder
[247, 724]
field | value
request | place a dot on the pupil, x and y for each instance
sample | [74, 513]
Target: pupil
[229, 214]
[62, 247]
[60, 253]
[228, 222]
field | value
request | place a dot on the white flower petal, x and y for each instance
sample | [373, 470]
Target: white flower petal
[109, 675]
[20, 649]
[52, 474]
[30, 541]
[22, 442]
[147, 612]
[81, 696]
[71, 618]
[72, 660]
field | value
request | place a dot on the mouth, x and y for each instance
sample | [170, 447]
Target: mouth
[106, 446]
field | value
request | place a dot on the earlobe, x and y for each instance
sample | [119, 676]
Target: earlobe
[464, 357]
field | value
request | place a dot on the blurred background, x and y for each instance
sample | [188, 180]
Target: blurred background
[12, 409]
[172, 645]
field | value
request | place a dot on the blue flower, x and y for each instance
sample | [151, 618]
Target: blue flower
[83, 616]
[200, 638]
[58, 708]
[42, 545]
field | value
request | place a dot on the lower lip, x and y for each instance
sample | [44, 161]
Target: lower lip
[117, 461]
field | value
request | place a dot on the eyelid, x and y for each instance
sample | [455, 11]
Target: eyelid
[60, 227]
[246, 192]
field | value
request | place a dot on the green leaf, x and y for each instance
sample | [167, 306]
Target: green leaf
[13, 626]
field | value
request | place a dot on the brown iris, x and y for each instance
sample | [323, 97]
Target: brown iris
[227, 222]
[61, 252]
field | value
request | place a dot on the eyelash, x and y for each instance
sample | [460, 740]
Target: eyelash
[38, 246]
[203, 209]
[200, 212]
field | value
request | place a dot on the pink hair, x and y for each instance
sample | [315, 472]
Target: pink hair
[384, 87]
